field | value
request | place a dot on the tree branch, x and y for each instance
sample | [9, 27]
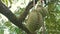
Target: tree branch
[5, 11]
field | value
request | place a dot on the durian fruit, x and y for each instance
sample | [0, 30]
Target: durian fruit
[34, 21]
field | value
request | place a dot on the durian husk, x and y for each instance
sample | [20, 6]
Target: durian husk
[34, 21]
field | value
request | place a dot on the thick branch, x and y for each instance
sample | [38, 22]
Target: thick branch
[5, 11]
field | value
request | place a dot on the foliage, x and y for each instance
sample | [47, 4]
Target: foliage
[52, 20]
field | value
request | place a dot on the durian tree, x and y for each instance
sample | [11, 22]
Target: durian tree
[42, 19]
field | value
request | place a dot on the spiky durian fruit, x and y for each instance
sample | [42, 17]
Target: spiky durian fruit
[34, 21]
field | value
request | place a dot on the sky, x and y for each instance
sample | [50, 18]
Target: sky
[20, 3]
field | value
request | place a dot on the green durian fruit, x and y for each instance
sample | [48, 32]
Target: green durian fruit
[34, 21]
